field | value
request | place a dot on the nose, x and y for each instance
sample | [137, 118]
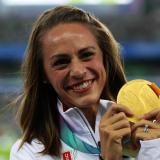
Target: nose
[77, 70]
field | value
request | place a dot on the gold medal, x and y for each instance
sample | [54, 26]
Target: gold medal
[140, 96]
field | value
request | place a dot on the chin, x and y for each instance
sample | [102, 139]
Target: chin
[87, 103]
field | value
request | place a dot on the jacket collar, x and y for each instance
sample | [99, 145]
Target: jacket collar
[79, 124]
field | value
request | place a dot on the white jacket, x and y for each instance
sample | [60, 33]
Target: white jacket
[150, 150]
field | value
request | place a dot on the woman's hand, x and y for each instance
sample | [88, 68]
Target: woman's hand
[114, 126]
[153, 115]
[152, 120]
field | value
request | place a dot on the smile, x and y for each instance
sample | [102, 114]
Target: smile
[82, 87]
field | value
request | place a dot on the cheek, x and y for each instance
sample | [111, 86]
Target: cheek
[102, 72]
[55, 78]
[98, 65]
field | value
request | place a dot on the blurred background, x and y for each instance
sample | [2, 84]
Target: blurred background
[134, 23]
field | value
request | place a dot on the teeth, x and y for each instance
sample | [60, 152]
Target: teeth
[82, 85]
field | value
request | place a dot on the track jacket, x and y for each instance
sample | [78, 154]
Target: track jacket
[79, 141]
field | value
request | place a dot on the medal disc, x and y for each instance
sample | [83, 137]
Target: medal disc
[140, 96]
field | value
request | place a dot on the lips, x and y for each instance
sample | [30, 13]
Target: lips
[82, 86]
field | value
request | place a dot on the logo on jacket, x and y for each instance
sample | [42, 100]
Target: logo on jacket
[67, 156]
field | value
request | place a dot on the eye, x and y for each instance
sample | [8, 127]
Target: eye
[87, 55]
[60, 63]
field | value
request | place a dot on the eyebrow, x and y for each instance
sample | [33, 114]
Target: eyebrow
[84, 49]
[60, 55]
[63, 55]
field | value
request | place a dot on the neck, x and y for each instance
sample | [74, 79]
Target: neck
[90, 114]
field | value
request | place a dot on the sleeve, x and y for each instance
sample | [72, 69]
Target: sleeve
[29, 151]
[150, 150]
[20, 154]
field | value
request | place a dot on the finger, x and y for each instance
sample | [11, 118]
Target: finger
[134, 139]
[124, 132]
[137, 135]
[118, 134]
[117, 117]
[115, 108]
[142, 123]
[121, 124]
[151, 134]
[154, 114]
[158, 117]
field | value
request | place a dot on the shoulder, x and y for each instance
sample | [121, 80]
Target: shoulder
[28, 151]
[32, 147]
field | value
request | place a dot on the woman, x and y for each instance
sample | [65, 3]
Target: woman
[72, 75]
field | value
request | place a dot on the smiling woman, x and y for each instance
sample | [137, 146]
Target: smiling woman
[73, 73]
[77, 62]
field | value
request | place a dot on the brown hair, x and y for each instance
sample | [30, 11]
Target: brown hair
[38, 112]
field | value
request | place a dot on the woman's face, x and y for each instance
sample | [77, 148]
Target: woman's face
[73, 64]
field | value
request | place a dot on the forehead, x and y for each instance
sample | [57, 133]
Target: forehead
[67, 31]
